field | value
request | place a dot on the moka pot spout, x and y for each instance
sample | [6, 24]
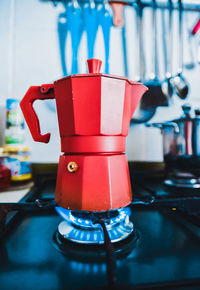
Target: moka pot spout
[137, 91]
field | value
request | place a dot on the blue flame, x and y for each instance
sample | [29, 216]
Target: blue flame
[67, 215]
[83, 227]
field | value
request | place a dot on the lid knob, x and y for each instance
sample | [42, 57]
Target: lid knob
[186, 108]
[94, 65]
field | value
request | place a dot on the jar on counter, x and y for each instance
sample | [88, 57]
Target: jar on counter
[18, 161]
[5, 173]
[14, 122]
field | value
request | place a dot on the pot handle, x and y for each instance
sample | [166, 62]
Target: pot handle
[36, 93]
[162, 125]
[188, 136]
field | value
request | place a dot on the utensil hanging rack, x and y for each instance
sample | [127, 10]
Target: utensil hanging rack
[187, 5]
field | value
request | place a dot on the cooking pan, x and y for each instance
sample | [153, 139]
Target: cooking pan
[181, 140]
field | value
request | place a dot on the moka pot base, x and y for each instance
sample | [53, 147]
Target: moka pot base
[93, 182]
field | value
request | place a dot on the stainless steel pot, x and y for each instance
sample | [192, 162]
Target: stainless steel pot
[181, 140]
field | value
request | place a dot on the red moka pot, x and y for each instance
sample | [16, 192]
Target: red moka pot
[94, 111]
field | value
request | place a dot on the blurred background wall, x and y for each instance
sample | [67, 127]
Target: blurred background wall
[29, 55]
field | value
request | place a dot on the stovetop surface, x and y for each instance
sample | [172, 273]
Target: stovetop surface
[166, 255]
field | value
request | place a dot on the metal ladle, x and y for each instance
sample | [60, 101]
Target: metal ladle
[179, 82]
[167, 86]
[142, 113]
[154, 96]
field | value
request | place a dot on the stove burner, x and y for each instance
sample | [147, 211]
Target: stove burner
[183, 180]
[83, 227]
[94, 252]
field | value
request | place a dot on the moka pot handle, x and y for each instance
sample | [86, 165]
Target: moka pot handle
[36, 93]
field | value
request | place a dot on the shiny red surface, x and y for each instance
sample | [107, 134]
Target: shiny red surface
[101, 182]
[35, 93]
[94, 111]
[94, 65]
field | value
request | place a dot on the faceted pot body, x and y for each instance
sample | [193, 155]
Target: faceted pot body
[95, 105]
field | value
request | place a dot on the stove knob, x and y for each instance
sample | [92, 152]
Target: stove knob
[72, 166]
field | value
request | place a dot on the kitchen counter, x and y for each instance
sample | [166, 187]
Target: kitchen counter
[16, 194]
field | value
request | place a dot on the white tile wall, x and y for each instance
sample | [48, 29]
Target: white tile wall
[28, 32]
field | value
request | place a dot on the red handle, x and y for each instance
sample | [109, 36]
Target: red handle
[196, 28]
[36, 93]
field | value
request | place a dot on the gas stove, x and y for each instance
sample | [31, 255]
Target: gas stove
[183, 179]
[152, 244]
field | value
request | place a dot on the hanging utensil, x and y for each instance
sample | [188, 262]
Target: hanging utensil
[154, 97]
[167, 87]
[147, 108]
[140, 47]
[126, 72]
[106, 19]
[194, 32]
[74, 18]
[140, 115]
[62, 30]
[62, 36]
[179, 82]
[190, 62]
[196, 28]
[119, 21]
[90, 17]
[118, 13]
